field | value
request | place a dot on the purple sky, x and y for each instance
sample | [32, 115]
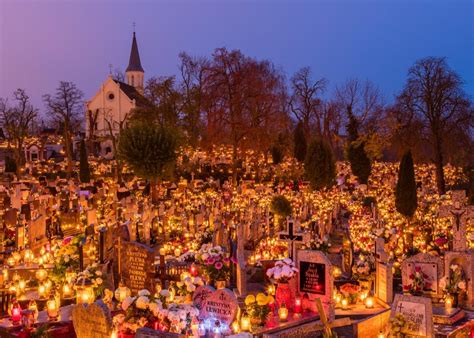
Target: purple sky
[43, 42]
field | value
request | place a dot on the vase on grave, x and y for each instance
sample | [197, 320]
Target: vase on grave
[284, 295]
[455, 299]
[220, 284]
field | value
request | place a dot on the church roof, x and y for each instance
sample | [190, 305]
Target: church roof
[134, 63]
[133, 94]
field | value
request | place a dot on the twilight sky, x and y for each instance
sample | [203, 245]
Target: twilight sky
[45, 41]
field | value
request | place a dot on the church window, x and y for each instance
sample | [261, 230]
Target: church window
[111, 96]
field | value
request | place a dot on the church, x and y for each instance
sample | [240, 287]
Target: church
[109, 109]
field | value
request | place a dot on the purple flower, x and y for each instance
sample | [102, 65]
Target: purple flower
[218, 265]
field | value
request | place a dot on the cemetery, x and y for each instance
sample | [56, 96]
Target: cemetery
[210, 259]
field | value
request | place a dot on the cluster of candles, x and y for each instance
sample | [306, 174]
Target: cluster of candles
[364, 297]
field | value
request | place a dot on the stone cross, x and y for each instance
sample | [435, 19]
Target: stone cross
[460, 215]
[291, 237]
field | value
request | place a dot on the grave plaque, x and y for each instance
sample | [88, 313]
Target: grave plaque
[431, 267]
[92, 321]
[384, 282]
[201, 294]
[315, 277]
[222, 305]
[418, 312]
[137, 262]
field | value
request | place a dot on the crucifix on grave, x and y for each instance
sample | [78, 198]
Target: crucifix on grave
[292, 237]
[460, 215]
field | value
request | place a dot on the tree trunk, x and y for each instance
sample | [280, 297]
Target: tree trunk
[234, 164]
[440, 183]
[18, 160]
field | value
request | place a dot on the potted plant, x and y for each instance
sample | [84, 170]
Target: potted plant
[214, 264]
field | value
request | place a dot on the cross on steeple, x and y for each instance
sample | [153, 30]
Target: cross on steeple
[134, 26]
[291, 237]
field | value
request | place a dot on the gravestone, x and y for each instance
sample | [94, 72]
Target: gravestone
[466, 261]
[315, 278]
[92, 320]
[431, 266]
[418, 312]
[137, 266]
[460, 215]
[384, 281]
[201, 294]
[380, 253]
[221, 305]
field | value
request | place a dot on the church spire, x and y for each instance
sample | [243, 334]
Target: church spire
[135, 73]
[134, 63]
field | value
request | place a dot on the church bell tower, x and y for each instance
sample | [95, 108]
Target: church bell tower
[135, 73]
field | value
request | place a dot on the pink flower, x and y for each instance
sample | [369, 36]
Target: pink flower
[210, 261]
[219, 265]
[418, 268]
[67, 240]
[441, 241]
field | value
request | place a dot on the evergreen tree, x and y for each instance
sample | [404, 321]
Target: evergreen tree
[300, 145]
[405, 191]
[84, 171]
[277, 154]
[356, 154]
[281, 206]
[320, 167]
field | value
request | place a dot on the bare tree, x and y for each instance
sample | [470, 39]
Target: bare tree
[92, 117]
[305, 102]
[433, 93]
[66, 108]
[114, 128]
[17, 121]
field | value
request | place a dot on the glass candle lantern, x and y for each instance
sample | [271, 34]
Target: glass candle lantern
[85, 292]
[52, 308]
[297, 308]
[245, 323]
[345, 304]
[369, 302]
[15, 313]
[33, 307]
[41, 273]
[283, 313]
[67, 291]
[122, 292]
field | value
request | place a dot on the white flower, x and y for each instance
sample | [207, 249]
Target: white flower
[165, 293]
[190, 288]
[462, 285]
[127, 302]
[98, 273]
[99, 281]
[144, 292]
[287, 261]
[154, 307]
[142, 302]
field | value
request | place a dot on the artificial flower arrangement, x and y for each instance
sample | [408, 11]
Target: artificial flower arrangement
[214, 264]
[397, 324]
[320, 244]
[419, 282]
[66, 255]
[258, 307]
[283, 271]
[203, 237]
[93, 274]
[350, 291]
[187, 285]
[363, 267]
[455, 282]
[155, 312]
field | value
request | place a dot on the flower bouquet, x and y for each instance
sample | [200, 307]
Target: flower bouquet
[320, 244]
[419, 282]
[397, 325]
[176, 318]
[258, 307]
[186, 287]
[213, 262]
[281, 274]
[455, 283]
[351, 292]
[94, 275]
[140, 311]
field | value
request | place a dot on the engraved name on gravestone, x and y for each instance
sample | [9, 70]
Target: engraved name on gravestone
[418, 313]
[222, 305]
[384, 282]
[137, 262]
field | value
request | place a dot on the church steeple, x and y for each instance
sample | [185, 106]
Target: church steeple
[135, 73]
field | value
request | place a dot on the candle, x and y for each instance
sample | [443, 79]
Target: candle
[297, 308]
[16, 313]
[235, 327]
[283, 313]
[52, 308]
[448, 304]
[369, 302]
[245, 323]
[380, 335]
[271, 289]
[41, 291]
[345, 304]
[193, 270]
[66, 290]
[114, 334]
